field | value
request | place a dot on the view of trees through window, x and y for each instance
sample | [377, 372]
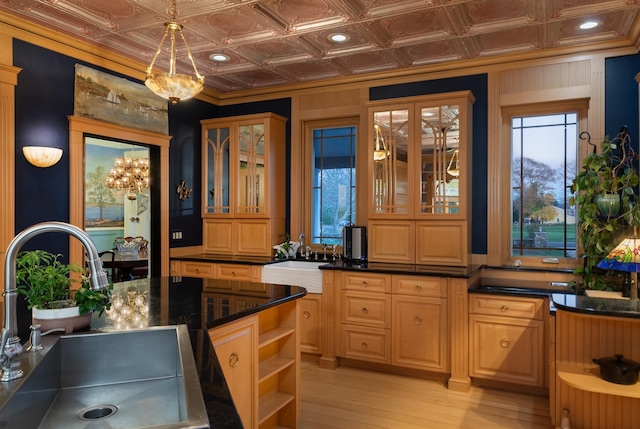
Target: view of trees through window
[544, 159]
[333, 202]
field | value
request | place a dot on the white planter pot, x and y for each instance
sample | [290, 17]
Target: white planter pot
[68, 318]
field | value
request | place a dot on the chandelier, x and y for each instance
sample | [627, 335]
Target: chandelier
[173, 86]
[129, 175]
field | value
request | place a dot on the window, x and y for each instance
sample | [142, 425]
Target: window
[544, 151]
[333, 182]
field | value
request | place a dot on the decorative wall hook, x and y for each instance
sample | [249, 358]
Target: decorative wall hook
[183, 190]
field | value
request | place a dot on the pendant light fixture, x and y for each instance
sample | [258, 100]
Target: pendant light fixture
[172, 85]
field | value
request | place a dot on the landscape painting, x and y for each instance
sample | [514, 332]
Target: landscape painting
[116, 100]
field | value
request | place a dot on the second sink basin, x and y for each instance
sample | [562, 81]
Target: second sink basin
[127, 379]
[295, 273]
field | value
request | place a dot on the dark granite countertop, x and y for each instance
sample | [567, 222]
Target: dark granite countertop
[373, 267]
[183, 300]
[569, 300]
[410, 269]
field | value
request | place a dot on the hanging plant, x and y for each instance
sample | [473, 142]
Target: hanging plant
[606, 195]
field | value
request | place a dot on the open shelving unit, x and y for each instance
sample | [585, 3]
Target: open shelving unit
[278, 371]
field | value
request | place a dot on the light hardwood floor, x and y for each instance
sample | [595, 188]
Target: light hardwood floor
[349, 398]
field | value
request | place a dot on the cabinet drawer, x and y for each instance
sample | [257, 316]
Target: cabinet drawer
[507, 349]
[366, 282]
[196, 269]
[368, 344]
[419, 286]
[233, 272]
[530, 308]
[368, 309]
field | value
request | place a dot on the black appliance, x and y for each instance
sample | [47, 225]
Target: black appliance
[354, 243]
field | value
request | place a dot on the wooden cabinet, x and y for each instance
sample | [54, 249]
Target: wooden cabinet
[235, 346]
[395, 319]
[420, 170]
[366, 317]
[259, 356]
[243, 184]
[593, 402]
[221, 271]
[420, 323]
[310, 308]
[508, 339]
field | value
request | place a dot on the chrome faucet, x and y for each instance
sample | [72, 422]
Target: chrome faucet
[10, 348]
[302, 248]
[307, 253]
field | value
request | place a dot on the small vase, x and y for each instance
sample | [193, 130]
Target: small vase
[68, 318]
[608, 205]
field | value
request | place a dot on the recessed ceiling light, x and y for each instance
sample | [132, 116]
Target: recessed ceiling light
[338, 37]
[219, 57]
[587, 25]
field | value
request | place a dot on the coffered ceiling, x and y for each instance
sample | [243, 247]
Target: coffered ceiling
[279, 42]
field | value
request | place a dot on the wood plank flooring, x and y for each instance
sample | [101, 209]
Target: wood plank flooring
[350, 398]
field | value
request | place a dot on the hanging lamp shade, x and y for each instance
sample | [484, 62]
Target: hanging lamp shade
[172, 85]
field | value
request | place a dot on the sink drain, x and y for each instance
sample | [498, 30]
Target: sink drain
[98, 412]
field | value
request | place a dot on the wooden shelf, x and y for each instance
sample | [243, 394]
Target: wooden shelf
[588, 379]
[274, 335]
[272, 403]
[273, 366]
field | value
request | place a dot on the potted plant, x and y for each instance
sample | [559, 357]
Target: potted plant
[605, 192]
[47, 283]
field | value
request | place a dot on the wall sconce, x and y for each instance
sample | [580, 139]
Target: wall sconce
[42, 156]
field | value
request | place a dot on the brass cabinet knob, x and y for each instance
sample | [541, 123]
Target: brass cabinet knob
[306, 314]
[365, 310]
[365, 283]
[504, 342]
[234, 359]
[364, 345]
[504, 308]
[417, 320]
[233, 273]
[418, 286]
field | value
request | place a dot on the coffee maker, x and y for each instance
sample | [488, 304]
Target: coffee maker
[354, 243]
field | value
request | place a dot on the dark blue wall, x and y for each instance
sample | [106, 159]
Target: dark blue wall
[621, 96]
[477, 84]
[44, 99]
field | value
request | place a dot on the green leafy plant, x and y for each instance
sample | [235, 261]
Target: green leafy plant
[47, 283]
[609, 172]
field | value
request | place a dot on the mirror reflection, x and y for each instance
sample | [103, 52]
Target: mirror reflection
[251, 171]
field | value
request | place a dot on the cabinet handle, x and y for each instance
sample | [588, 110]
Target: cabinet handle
[306, 314]
[233, 273]
[418, 286]
[365, 283]
[365, 310]
[364, 345]
[197, 270]
[417, 320]
[504, 342]
[234, 360]
[504, 308]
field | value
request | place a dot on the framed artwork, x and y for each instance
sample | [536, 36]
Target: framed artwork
[101, 96]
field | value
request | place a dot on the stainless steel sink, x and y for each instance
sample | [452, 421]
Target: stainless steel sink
[128, 379]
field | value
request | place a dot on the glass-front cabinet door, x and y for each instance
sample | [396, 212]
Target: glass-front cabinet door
[251, 168]
[216, 168]
[418, 156]
[439, 159]
[391, 153]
